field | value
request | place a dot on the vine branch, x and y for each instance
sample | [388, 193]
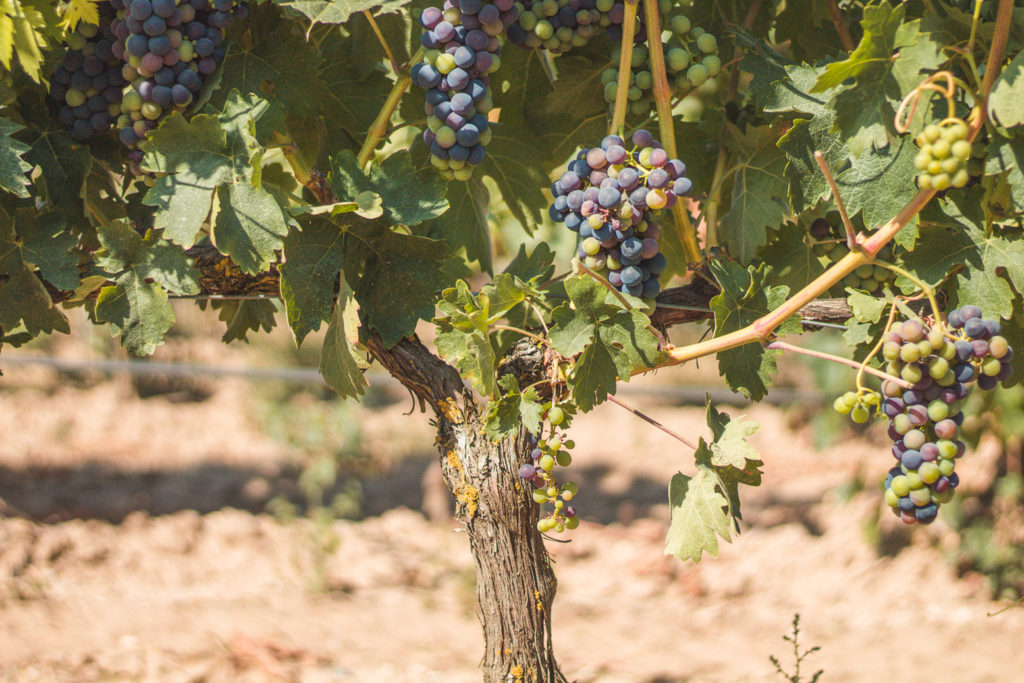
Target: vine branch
[625, 64]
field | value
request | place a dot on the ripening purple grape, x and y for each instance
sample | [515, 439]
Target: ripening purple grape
[975, 328]
[527, 471]
[649, 248]
[597, 159]
[658, 158]
[918, 414]
[615, 154]
[628, 178]
[476, 40]
[682, 186]
[444, 32]
[969, 312]
[569, 182]
[461, 103]
[945, 429]
[642, 138]
[657, 178]
[609, 197]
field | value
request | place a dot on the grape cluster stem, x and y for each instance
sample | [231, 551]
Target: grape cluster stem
[784, 346]
[379, 127]
[617, 126]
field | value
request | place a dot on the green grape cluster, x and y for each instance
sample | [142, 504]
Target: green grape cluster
[869, 278]
[691, 62]
[943, 156]
[540, 471]
[859, 405]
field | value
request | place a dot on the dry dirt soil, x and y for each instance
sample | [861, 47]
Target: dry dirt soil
[135, 546]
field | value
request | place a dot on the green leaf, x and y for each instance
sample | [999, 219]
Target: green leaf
[340, 365]
[759, 193]
[698, 515]
[512, 409]
[866, 308]
[534, 268]
[880, 183]
[244, 316]
[23, 296]
[464, 225]
[338, 11]
[46, 246]
[593, 377]
[1004, 102]
[12, 167]
[730, 449]
[312, 262]
[144, 270]
[408, 197]
[278, 63]
[794, 263]
[745, 297]
[379, 264]
[64, 164]
[250, 225]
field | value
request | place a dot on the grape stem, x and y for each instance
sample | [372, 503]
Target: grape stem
[874, 349]
[379, 127]
[715, 200]
[851, 234]
[784, 346]
[924, 286]
[518, 330]
[969, 50]
[604, 283]
[650, 420]
[666, 127]
[841, 28]
[625, 64]
[383, 41]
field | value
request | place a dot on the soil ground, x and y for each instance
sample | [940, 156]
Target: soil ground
[135, 545]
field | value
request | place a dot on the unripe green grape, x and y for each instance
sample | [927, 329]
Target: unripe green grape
[891, 499]
[595, 263]
[891, 350]
[860, 415]
[911, 373]
[961, 150]
[941, 181]
[590, 246]
[677, 59]
[915, 438]
[929, 472]
[543, 29]
[644, 80]
[990, 367]
[545, 525]
[947, 449]
[937, 411]
[572, 522]
[960, 178]
[944, 497]
[707, 43]
[922, 160]
[914, 480]
[634, 93]
[921, 496]
[547, 463]
[924, 182]
[690, 109]
[938, 367]
[957, 131]
[697, 74]
[934, 167]
[713, 64]
[932, 132]
[940, 149]
[946, 466]
[439, 163]
[998, 346]
[540, 496]
[900, 485]
[680, 25]
[910, 353]
[708, 87]
[554, 443]
[563, 458]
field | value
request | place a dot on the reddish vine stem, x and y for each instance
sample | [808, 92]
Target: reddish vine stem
[783, 346]
[650, 420]
[851, 234]
[841, 28]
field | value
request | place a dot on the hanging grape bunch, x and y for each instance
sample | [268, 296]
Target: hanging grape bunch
[869, 278]
[924, 420]
[691, 61]
[610, 196]
[560, 25]
[544, 456]
[87, 84]
[170, 50]
[944, 153]
[462, 49]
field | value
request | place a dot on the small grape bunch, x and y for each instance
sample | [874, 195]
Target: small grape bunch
[560, 25]
[869, 278]
[545, 455]
[924, 420]
[691, 59]
[943, 156]
[859, 405]
[610, 196]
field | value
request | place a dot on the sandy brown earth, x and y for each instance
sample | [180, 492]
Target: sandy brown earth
[133, 547]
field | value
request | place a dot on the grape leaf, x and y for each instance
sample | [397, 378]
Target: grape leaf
[244, 316]
[464, 225]
[312, 262]
[593, 377]
[866, 308]
[379, 263]
[759, 192]
[12, 167]
[408, 197]
[513, 409]
[46, 245]
[730, 448]
[880, 183]
[144, 269]
[534, 268]
[64, 163]
[1004, 102]
[698, 515]
[278, 63]
[338, 11]
[462, 337]
[794, 262]
[23, 296]
[340, 365]
[745, 297]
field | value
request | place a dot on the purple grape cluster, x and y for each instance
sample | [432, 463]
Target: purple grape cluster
[924, 421]
[87, 84]
[462, 50]
[560, 25]
[610, 196]
[170, 47]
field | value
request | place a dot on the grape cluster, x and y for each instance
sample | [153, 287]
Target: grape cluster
[872, 279]
[943, 156]
[170, 47]
[560, 25]
[462, 50]
[610, 196]
[691, 61]
[924, 420]
[858, 404]
[545, 454]
[87, 84]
